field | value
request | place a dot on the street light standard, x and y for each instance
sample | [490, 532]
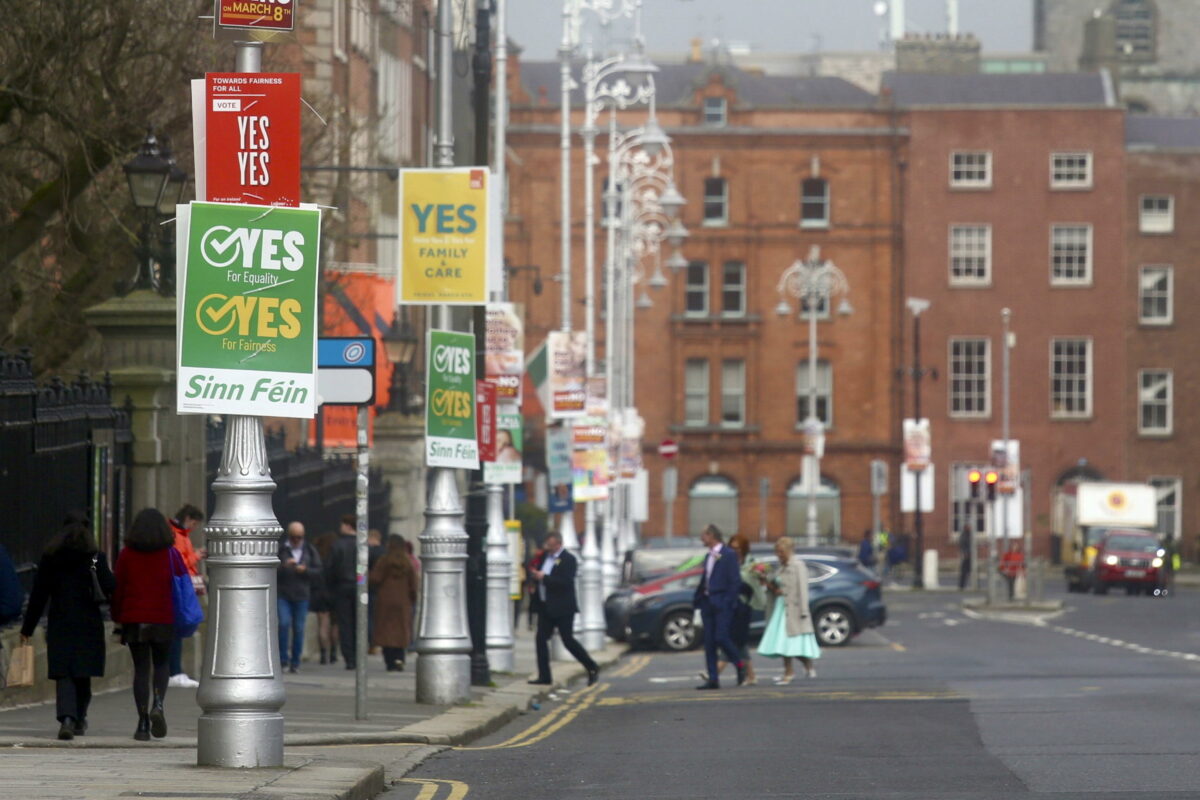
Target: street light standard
[813, 284]
[156, 185]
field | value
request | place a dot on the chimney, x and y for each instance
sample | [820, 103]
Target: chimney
[696, 56]
[940, 54]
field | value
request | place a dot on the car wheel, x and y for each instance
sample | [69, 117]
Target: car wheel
[834, 626]
[678, 632]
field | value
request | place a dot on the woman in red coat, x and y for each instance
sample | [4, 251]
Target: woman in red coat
[143, 606]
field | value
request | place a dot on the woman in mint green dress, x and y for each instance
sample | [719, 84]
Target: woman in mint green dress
[789, 631]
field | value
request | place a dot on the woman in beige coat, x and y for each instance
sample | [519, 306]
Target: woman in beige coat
[789, 631]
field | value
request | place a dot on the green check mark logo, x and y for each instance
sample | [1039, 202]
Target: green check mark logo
[215, 311]
[221, 246]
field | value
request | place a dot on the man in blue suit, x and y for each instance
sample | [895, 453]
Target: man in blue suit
[716, 597]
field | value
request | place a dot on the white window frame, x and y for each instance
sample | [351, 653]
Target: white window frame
[1064, 177]
[338, 29]
[739, 288]
[1166, 404]
[807, 200]
[723, 199]
[733, 390]
[715, 111]
[984, 182]
[984, 396]
[1156, 221]
[702, 290]
[967, 247]
[1088, 379]
[1147, 294]
[696, 391]
[1163, 485]
[712, 499]
[1089, 254]
[824, 392]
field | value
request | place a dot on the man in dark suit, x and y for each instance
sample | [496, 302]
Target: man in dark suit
[555, 577]
[716, 597]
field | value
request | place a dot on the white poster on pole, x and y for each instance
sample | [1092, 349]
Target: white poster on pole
[908, 489]
[640, 510]
[1009, 520]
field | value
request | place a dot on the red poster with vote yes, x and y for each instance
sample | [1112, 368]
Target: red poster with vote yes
[253, 138]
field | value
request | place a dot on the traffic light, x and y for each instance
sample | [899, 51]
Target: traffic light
[991, 478]
[973, 478]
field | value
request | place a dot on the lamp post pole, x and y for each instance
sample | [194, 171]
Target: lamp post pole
[918, 306]
[443, 639]
[811, 282]
[241, 686]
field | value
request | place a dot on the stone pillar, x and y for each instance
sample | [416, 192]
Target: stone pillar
[138, 351]
[399, 452]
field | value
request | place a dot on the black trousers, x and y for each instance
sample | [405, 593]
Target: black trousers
[72, 696]
[343, 615]
[546, 627]
[150, 670]
[393, 656]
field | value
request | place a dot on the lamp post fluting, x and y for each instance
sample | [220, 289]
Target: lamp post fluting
[813, 283]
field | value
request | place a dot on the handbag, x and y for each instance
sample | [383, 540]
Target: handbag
[20, 667]
[188, 613]
[98, 595]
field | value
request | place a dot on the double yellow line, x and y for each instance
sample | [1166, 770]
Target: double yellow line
[429, 788]
[631, 667]
[552, 722]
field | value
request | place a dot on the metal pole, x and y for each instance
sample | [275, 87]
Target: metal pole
[499, 636]
[443, 642]
[610, 558]
[812, 297]
[564, 54]
[918, 555]
[362, 597]
[241, 688]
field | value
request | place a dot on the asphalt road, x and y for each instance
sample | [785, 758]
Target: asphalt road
[1101, 701]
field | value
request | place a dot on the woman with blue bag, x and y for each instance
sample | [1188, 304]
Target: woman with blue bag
[149, 605]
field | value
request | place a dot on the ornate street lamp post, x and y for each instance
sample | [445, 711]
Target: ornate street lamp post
[813, 283]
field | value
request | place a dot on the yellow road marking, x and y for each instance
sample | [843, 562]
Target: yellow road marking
[899, 648]
[631, 667]
[430, 786]
[755, 695]
[551, 722]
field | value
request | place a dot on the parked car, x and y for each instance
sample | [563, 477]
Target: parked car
[844, 597]
[1129, 558]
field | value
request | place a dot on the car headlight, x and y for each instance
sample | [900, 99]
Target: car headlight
[1156, 563]
[1112, 561]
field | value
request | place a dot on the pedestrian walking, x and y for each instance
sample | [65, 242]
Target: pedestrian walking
[716, 597]
[557, 607]
[321, 602]
[866, 550]
[966, 548]
[375, 550]
[299, 571]
[1012, 564]
[144, 607]
[531, 586]
[186, 520]
[11, 593]
[752, 596]
[789, 632]
[341, 577]
[72, 582]
[395, 586]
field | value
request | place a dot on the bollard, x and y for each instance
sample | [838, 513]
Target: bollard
[499, 579]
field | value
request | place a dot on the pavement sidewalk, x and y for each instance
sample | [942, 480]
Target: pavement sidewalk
[107, 763]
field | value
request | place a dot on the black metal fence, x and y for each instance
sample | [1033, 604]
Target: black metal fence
[63, 447]
[310, 487]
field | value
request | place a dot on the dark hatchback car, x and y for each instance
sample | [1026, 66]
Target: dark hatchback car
[845, 598]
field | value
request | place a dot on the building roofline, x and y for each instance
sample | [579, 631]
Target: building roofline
[730, 130]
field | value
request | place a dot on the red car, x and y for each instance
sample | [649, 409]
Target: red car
[1129, 558]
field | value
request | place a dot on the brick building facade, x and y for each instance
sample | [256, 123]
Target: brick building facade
[775, 167]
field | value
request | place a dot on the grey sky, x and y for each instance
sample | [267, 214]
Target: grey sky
[781, 25]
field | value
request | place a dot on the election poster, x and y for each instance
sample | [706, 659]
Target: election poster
[247, 310]
[568, 382]
[507, 465]
[558, 464]
[505, 356]
[445, 247]
[252, 138]
[450, 401]
[272, 15]
[589, 459]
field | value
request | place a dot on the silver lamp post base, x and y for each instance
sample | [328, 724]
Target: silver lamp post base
[591, 593]
[499, 585]
[443, 638]
[241, 688]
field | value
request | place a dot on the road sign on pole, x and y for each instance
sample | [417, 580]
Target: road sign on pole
[345, 371]
[668, 449]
